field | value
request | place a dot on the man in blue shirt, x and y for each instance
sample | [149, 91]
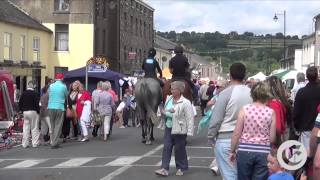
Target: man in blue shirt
[56, 108]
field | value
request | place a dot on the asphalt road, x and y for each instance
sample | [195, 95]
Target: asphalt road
[122, 157]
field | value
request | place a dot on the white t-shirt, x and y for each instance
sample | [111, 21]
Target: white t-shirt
[121, 106]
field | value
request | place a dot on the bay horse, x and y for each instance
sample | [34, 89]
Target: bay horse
[148, 94]
[188, 92]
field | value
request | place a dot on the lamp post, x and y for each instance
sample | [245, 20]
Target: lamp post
[275, 18]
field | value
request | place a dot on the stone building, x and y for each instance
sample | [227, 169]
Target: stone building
[121, 30]
[136, 33]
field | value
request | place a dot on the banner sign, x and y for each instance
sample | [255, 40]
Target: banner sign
[96, 68]
[98, 64]
[132, 55]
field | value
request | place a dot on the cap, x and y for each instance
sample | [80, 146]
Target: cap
[59, 76]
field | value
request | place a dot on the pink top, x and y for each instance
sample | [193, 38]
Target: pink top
[256, 130]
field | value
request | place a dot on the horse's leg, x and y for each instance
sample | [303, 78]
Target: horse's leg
[152, 137]
[143, 131]
[148, 128]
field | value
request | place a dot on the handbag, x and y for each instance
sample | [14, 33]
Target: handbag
[70, 113]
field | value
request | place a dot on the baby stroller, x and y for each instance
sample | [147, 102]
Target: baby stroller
[11, 132]
[10, 124]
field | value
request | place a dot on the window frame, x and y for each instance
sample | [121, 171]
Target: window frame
[22, 48]
[36, 48]
[58, 33]
[58, 6]
[7, 43]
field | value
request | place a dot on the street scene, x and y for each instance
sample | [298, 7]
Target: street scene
[122, 158]
[151, 89]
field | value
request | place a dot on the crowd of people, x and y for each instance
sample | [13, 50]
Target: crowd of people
[247, 120]
[51, 116]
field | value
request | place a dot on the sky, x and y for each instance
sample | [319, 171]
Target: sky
[235, 15]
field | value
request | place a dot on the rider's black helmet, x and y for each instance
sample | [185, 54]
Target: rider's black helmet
[152, 52]
[178, 50]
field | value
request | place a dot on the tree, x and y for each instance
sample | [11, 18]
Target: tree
[279, 35]
[248, 34]
[268, 36]
[172, 35]
[295, 37]
[233, 35]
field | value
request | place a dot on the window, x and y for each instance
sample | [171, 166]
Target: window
[137, 26]
[125, 53]
[58, 69]
[140, 28]
[144, 29]
[61, 5]
[36, 49]
[125, 21]
[131, 24]
[104, 8]
[23, 47]
[61, 37]
[104, 41]
[7, 49]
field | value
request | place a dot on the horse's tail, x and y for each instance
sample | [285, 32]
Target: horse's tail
[147, 105]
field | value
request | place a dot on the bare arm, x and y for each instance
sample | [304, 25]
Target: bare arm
[273, 129]
[237, 131]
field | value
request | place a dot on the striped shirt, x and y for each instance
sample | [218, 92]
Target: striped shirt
[256, 131]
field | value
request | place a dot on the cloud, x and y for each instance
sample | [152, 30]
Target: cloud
[235, 15]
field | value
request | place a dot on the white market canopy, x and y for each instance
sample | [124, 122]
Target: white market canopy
[259, 76]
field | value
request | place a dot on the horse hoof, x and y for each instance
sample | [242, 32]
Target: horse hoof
[148, 142]
[152, 139]
[143, 141]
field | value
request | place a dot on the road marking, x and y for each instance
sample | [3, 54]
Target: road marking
[66, 158]
[172, 161]
[126, 167]
[25, 164]
[199, 147]
[74, 162]
[123, 161]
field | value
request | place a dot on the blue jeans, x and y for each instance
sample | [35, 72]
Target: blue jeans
[252, 165]
[222, 152]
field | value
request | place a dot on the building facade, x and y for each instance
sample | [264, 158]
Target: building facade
[201, 67]
[316, 19]
[136, 34]
[24, 48]
[85, 28]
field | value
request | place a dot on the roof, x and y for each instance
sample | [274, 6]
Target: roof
[199, 59]
[163, 43]
[145, 4]
[10, 13]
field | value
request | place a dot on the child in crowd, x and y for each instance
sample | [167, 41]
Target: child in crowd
[119, 112]
[276, 171]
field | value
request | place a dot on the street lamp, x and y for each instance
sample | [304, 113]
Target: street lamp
[275, 18]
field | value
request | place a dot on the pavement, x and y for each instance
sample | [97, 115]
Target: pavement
[123, 156]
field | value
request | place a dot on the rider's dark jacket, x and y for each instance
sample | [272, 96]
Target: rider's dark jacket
[149, 66]
[179, 64]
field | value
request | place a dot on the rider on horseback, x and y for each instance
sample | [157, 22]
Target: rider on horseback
[179, 66]
[150, 65]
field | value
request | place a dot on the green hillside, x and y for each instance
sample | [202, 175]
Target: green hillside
[258, 52]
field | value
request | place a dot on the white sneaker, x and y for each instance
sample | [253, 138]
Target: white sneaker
[122, 127]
